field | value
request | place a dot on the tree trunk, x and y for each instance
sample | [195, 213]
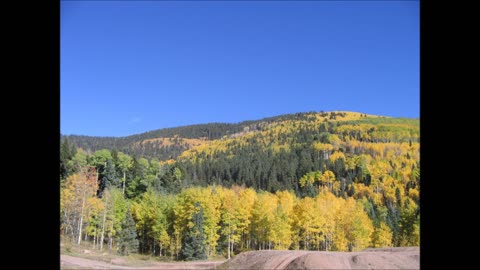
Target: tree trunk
[326, 243]
[95, 237]
[80, 231]
[124, 179]
[81, 220]
[228, 252]
[103, 227]
[318, 242]
[72, 239]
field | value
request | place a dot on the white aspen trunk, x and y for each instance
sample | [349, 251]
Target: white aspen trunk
[228, 252]
[80, 231]
[103, 227]
[124, 179]
[307, 242]
[81, 220]
[67, 222]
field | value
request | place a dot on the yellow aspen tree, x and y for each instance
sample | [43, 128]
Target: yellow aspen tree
[78, 189]
[307, 222]
[211, 204]
[323, 149]
[94, 214]
[246, 198]
[356, 225]
[67, 209]
[382, 236]
[327, 178]
[229, 203]
[336, 155]
[263, 214]
[329, 208]
[281, 233]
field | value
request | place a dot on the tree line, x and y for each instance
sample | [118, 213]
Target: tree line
[201, 222]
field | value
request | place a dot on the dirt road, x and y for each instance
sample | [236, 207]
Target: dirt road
[70, 262]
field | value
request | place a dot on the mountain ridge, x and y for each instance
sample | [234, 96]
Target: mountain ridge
[169, 143]
[227, 123]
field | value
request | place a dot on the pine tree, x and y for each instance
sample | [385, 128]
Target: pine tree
[127, 238]
[67, 152]
[109, 178]
[193, 243]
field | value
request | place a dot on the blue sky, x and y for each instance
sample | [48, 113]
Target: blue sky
[132, 66]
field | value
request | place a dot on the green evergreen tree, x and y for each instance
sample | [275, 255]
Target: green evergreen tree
[193, 243]
[110, 177]
[127, 239]
[67, 152]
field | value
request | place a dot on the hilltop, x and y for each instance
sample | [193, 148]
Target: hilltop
[169, 143]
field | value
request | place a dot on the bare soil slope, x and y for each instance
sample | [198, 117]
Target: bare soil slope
[390, 258]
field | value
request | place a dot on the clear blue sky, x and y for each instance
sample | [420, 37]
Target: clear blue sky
[132, 66]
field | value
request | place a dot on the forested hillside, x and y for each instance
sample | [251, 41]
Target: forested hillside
[314, 181]
[168, 143]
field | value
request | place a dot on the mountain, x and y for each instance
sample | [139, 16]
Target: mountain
[169, 143]
[328, 180]
[274, 153]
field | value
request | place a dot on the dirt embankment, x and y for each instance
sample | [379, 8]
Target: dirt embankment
[389, 258]
[383, 258]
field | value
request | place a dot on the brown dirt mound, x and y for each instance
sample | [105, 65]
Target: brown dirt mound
[390, 258]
